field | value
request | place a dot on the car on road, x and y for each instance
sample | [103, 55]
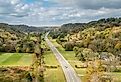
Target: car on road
[66, 66]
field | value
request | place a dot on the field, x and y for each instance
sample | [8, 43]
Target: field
[15, 59]
[117, 76]
[52, 74]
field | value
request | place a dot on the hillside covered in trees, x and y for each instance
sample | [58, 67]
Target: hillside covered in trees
[17, 38]
[76, 27]
[101, 39]
[97, 44]
[83, 34]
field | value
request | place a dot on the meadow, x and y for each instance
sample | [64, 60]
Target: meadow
[52, 74]
[15, 59]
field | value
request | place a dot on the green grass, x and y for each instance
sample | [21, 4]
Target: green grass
[52, 74]
[117, 75]
[26, 60]
[50, 58]
[68, 55]
[15, 59]
[3, 57]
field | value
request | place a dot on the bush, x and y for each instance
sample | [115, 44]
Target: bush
[80, 66]
[69, 46]
[79, 44]
[14, 74]
[77, 66]
[117, 70]
[58, 41]
[51, 66]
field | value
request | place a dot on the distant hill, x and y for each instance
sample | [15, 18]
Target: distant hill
[8, 28]
[25, 28]
[22, 28]
[16, 38]
[72, 28]
[97, 39]
[76, 27]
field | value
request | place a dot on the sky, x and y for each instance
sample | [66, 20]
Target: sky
[57, 12]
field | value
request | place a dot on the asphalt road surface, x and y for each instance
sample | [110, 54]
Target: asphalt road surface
[68, 70]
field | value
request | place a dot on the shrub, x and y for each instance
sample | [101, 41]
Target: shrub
[79, 44]
[51, 66]
[69, 46]
[58, 41]
[117, 70]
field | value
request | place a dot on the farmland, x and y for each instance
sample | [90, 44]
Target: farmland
[52, 74]
[15, 59]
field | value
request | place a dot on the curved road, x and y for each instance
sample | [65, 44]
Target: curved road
[68, 70]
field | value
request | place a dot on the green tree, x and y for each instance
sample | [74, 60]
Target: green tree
[69, 46]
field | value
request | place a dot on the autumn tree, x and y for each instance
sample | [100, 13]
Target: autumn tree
[95, 72]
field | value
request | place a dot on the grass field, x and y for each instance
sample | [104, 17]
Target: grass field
[15, 59]
[117, 76]
[52, 74]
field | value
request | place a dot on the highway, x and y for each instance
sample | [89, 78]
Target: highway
[68, 70]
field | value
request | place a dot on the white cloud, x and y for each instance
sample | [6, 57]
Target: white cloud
[14, 2]
[90, 4]
[17, 12]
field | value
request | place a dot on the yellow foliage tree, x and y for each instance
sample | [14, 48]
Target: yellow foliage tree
[118, 45]
[95, 71]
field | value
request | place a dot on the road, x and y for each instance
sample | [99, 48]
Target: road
[68, 70]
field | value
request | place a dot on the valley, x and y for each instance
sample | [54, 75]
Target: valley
[78, 52]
